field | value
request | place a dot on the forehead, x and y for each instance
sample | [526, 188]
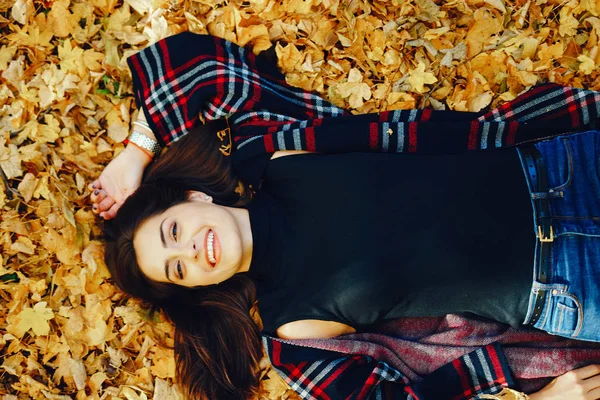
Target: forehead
[149, 248]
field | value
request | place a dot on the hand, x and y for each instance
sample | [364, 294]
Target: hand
[121, 177]
[579, 384]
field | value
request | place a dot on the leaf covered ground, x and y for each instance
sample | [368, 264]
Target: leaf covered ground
[66, 106]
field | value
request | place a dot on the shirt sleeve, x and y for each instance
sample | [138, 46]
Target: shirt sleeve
[325, 374]
[186, 75]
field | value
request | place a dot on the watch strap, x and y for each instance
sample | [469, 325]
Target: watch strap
[144, 142]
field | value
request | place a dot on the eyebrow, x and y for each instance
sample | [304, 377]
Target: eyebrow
[162, 234]
[167, 271]
[164, 243]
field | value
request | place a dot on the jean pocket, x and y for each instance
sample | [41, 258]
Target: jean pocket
[566, 317]
[558, 157]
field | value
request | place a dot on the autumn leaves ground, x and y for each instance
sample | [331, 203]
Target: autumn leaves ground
[66, 107]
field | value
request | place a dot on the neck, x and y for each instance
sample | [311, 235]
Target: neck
[242, 218]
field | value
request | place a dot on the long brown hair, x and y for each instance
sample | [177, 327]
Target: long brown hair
[217, 343]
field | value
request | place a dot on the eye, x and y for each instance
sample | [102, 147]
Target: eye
[179, 270]
[174, 231]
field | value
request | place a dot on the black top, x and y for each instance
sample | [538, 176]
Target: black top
[360, 238]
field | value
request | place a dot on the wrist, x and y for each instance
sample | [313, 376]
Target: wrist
[142, 127]
[140, 156]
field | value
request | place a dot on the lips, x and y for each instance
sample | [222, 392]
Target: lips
[212, 248]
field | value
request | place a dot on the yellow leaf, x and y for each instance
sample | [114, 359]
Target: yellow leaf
[587, 65]
[14, 73]
[48, 132]
[344, 40]
[111, 47]
[590, 5]
[529, 47]
[141, 6]
[22, 11]
[42, 190]
[93, 60]
[288, 57]
[429, 11]
[68, 213]
[35, 318]
[400, 101]
[131, 394]
[497, 4]
[418, 78]
[159, 28]
[10, 162]
[129, 314]
[480, 101]
[70, 57]
[436, 33]
[96, 381]
[7, 53]
[117, 129]
[251, 33]
[164, 367]
[298, 6]
[27, 186]
[485, 26]
[69, 83]
[23, 245]
[568, 23]
[77, 369]
[354, 90]
[61, 20]
[194, 24]
[118, 18]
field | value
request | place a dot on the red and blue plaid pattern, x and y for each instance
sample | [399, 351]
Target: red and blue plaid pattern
[183, 76]
[318, 374]
[187, 75]
[441, 358]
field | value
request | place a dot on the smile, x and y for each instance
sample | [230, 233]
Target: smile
[210, 247]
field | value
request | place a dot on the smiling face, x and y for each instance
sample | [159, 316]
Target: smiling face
[196, 243]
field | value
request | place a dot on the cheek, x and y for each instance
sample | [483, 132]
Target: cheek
[231, 245]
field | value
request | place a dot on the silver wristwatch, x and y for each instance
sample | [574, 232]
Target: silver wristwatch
[144, 142]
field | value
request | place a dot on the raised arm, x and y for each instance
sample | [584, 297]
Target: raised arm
[185, 76]
[122, 176]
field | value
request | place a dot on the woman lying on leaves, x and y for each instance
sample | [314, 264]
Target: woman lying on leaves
[329, 234]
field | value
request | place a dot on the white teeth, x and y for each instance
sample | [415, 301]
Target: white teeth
[210, 241]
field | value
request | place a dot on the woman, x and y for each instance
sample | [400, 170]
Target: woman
[313, 214]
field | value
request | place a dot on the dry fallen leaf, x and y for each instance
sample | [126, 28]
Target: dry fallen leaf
[418, 78]
[35, 318]
[355, 90]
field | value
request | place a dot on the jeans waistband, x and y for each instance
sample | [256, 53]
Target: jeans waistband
[536, 174]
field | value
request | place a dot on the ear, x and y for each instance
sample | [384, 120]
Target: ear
[194, 195]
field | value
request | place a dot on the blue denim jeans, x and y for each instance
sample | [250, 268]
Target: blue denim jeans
[572, 301]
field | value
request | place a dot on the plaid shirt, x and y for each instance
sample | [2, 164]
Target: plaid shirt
[187, 75]
[327, 375]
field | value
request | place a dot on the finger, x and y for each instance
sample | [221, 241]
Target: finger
[95, 185]
[112, 212]
[106, 204]
[587, 372]
[94, 195]
[99, 195]
[591, 383]
[593, 394]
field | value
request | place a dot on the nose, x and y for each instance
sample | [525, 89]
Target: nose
[188, 250]
[192, 250]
